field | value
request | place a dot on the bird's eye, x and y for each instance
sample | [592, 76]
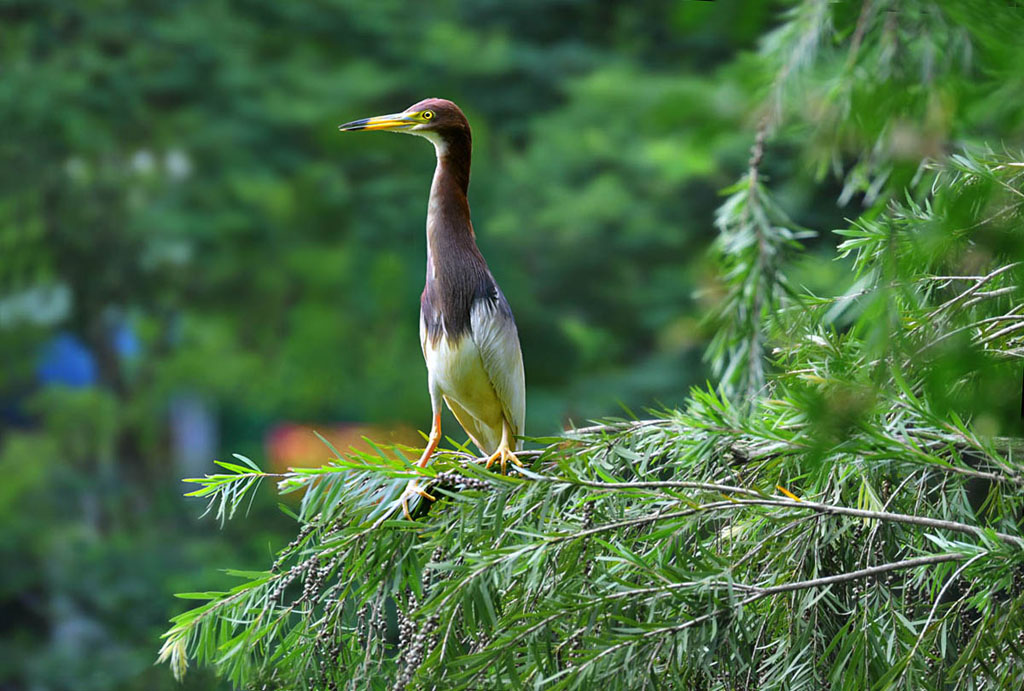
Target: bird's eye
[427, 114]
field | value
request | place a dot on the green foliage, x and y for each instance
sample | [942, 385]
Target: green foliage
[754, 236]
[843, 511]
[680, 551]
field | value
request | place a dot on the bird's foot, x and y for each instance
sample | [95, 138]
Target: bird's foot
[413, 488]
[503, 454]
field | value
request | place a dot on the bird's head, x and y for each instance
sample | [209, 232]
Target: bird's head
[435, 119]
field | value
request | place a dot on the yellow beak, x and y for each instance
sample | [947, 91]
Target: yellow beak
[395, 121]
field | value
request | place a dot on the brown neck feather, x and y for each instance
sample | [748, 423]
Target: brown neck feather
[449, 227]
[457, 274]
[455, 156]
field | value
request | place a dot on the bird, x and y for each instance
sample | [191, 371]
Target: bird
[467, 331]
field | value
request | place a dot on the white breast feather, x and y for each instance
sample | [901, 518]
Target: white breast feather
[458, 372]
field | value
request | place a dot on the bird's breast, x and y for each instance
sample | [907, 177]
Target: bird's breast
[457, 369]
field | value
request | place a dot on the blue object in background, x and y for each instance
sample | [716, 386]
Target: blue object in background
[194, 433]
[126, 343]
[66, 361]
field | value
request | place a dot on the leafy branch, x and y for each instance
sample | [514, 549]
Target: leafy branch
[787, 528]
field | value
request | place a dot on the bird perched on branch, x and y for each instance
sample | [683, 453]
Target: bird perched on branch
[468, 335]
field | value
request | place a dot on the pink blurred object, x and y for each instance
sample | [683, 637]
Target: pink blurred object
[291, 445]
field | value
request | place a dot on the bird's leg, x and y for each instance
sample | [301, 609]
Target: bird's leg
[414, 485]
[504, 452]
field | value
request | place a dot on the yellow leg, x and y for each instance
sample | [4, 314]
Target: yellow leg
[504, 452]
[414, 485]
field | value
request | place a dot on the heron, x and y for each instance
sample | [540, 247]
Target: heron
[467, 332]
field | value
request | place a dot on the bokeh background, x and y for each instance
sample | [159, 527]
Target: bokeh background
[194, 262]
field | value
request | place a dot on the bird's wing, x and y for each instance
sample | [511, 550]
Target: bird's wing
[494, 332]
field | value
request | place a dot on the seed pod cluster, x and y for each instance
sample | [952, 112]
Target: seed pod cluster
[337, 525]
[294, 544]
[314, 580]
[482, 642]
[286, 579]
[378, 624]
[428, 571]
[450, 478]
[588, 515]
[328, 649]
[413, 642]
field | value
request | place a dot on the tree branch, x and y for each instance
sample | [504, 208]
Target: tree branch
[775, 590]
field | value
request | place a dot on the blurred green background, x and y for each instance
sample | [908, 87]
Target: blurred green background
[193, 261]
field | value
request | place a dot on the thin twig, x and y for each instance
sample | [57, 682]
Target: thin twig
[732, 504]
[909, 519]
[972, 290]
[617, 426]
[658, 484]
[935, 605]
[1006, 330]
[1009, 316]
[858, 34]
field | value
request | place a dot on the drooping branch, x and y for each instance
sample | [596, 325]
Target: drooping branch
[775, 590]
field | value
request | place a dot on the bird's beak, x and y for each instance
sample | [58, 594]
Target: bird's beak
[395, 121]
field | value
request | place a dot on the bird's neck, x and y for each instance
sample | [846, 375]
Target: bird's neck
[449, 228]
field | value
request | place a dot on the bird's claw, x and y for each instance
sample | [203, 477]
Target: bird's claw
[503, 454]
[413, 488]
